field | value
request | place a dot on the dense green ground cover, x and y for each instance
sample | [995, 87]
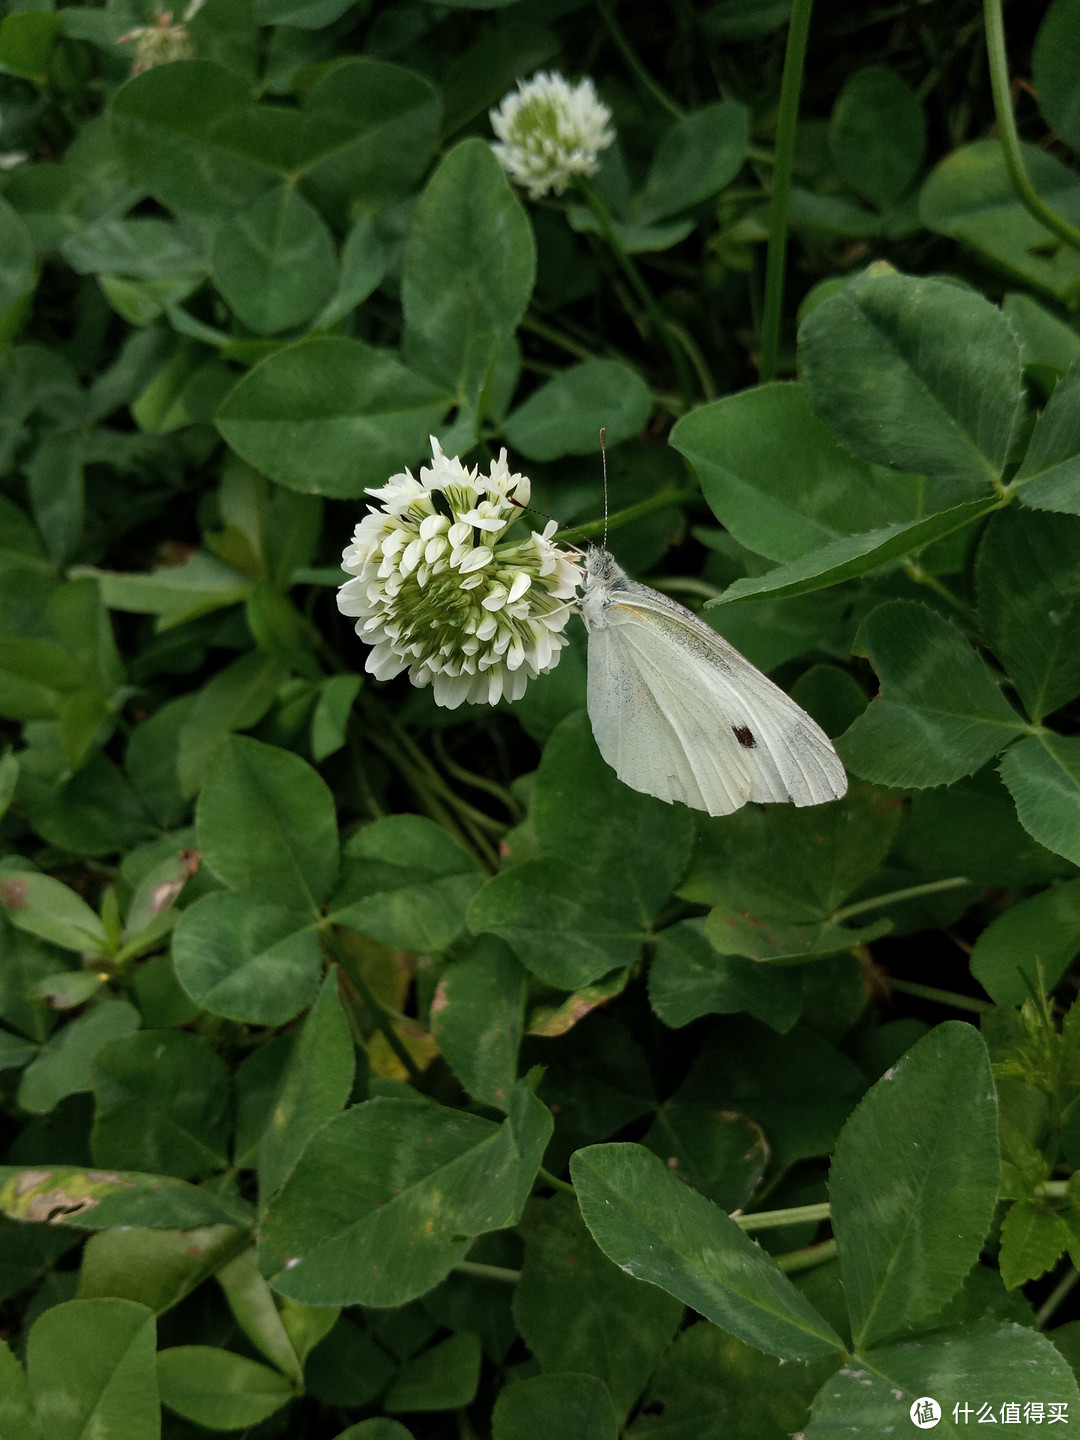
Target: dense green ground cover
[393, 1070]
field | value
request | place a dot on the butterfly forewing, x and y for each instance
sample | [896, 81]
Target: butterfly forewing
[679, 713]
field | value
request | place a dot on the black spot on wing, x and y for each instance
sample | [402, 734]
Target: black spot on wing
[744, 735]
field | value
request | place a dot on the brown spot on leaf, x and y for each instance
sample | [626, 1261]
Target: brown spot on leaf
[13, 893]
[57, 1205]
[30, 1179]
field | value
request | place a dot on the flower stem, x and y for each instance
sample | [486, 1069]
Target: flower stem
[477, 782]
[629, 54]
[807, 1259]
[1061, 1290]
[660, 501]
[910, 892]
[487, 1272]
[790, 86]
[556, 337]
[1010, 139]
[645, 297]
[941, 997]
[554, 1181]
[793, 1215]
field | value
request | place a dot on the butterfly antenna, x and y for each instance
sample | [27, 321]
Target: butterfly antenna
[603, 462]
[545, 516]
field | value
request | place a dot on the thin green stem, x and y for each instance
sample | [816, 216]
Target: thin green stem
[688, 585]
[696, 358]
[476, 782]
[941, 997]
[1061, 1290]
[910, 892]
[763, 157]
[487, 1272]
[1010, 139]
[629, 54]
[773, 1219]
[379, 1013]
[591, 528]
[920, 576]
[790, 88]
[556, 337]
[806, 1259]
[554, 1181]
[644, 295]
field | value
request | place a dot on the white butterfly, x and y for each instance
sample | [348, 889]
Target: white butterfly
[678, 713]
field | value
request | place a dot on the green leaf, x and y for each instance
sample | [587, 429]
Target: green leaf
[247, 959]
[190, 133]
[1014, 1364]
[852, 555]
[406, 883]
[314, 1086]
[1055, 78]
[566, 414]
[26, 42]
[939, 716]
[468, 269]
[877, 135]
[236, 698]
[174, 592]
[252, 1303]
[688, 979]
[711, 1386]
[384, 1201]
[219, 1389]
[305, 14]
[1032, 942]
[444, 1377]
[658, 1229]
[544, 1405]
[613, 857]
[379, 1427]
[43, 906]
[90, 1364]
[1029, 603]
[971, 828]
[1043, 776]
[330, 719]
[350, 1368]
[274, 262]
[775, 477]
[970, 197]
[1049, 476]
[477, 1015]
[331, 416]
[620, 1327]
[914, 1182]
[94, 1200]
[696, 157]
[367, 134]
[917, 374]
[776, 877]
[18, 266]
[63, 1067]
[721, 1154]
[161, 1104]
[155, 1267]
[1048, 345]
[266, 825]
[1032, 1241]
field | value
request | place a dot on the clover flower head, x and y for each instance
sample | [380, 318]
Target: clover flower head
[437, 590]
[549, 131]
[163, 41]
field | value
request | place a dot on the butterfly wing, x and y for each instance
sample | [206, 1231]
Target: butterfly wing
[655, 724]
[699, 722]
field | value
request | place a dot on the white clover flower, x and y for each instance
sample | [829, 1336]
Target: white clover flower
[549, 131]
[162, 42]
[439, 592]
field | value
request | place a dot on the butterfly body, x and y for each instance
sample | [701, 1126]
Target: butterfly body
[678, 713]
